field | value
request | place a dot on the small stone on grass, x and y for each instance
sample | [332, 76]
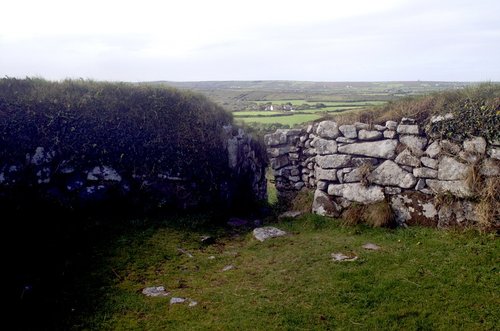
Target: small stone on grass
[267, 232]
[175, 300]
[228, 267]
[340, 257]
[371, 246]
[155, 291]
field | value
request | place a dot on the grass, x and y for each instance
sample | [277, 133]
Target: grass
[288, 120]
[421, 279]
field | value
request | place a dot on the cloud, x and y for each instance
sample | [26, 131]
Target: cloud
[215, 40]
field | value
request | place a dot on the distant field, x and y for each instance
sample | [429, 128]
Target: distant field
[287, 120]
[300, 102]
[331, 109]
[257, 113]
[242, 95]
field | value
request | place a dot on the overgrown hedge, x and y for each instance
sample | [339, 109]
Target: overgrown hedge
[139, 130]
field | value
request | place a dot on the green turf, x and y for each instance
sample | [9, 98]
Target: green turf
[421, 279]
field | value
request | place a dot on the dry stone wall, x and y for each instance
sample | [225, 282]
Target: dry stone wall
[395, 162]
[46, 175]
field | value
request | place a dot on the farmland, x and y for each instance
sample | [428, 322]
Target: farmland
[248, 100]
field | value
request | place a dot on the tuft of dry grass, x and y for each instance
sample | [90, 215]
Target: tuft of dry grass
[473, 178]
[488, 208]
[376, 215]
[353, 215]
[303, 201]
[365, 171]
[379, 215]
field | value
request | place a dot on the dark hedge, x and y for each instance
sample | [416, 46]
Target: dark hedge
[135, 129]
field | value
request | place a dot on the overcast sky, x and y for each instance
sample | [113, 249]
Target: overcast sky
[313, 40]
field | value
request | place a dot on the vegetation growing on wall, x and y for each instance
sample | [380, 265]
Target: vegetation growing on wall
[133, 128]
[475, 111]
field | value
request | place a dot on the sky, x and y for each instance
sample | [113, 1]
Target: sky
[199, 40]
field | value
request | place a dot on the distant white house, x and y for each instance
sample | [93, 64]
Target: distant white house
[270, 107]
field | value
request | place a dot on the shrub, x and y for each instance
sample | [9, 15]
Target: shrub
[142, 131]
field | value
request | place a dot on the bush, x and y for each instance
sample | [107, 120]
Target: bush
[141, 131]
[134, 128]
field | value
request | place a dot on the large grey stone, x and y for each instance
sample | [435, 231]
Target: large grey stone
[390, 190]
[391, 125]
[357, 192]
[457, 188]
[344, 140]
[274, 139]
[408, 129]
[451, 169]
[475, 145]
[389, 134]
[425, 173]
[349, 131]
[277, 151]
[406, 158]
[322, 185]
[440, 118]
[41, 156]
[389, 173]
[324, 146]
[429, 163]
[461, 213]
[324, 206]
[280, 162]
[490, 168]
[408, 121]
[104, 173]
[384, 149]
[325, 174]
[494, 153]
[333, 161]
[328, 129]
[433, 150]
[369, 135]
[362, 126]
[267, 232]
[354, 176]
[415, 143]
[414, 208]
[341, 172]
